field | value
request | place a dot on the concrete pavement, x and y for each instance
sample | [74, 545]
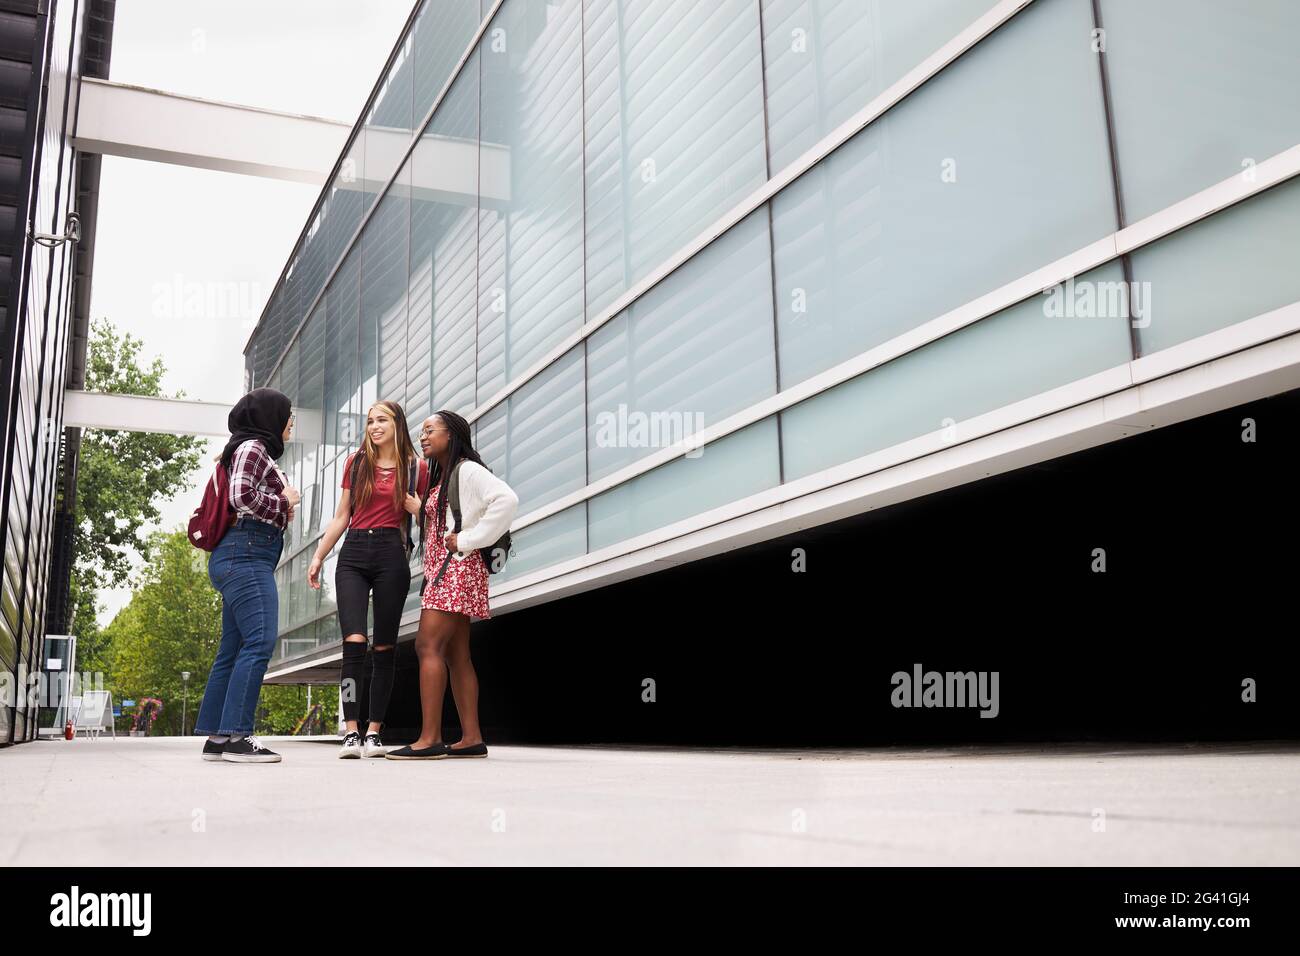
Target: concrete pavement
[143, 801]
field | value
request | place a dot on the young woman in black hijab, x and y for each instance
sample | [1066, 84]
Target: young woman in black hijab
[242, 568]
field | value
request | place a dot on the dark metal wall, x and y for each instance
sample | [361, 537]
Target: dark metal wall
[1198, 595]
[96, 48]
[40, 57]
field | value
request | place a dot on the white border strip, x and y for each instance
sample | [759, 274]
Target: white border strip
[1227, 192]
[1217, 370]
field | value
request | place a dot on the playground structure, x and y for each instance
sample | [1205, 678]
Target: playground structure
[310, 723]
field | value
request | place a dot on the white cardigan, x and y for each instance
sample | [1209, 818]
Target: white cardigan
[487, 506]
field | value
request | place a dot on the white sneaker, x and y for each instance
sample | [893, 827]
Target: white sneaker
[351, 746]
[374, 747]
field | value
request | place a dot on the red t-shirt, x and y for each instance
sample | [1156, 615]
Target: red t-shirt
[380, 512]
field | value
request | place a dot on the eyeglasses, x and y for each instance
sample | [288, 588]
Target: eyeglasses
[429, 430]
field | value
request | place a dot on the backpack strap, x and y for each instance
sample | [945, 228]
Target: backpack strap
[412, 482]
[453, 499]
[352, 480]
[453, 494]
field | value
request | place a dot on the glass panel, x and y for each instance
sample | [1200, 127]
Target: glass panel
[741, 464]
[674, 116]
[383, 286]
[327, 630]
[288, 462]
[444, 237]
[328, 598]
[558, 538]
[291, 308]
[341, 213]
[993, 168]
[330, 482]
[1199, 92]
[1012, 355]
[691, 351]
[530, 187]
[309, 428]
[297, 587]
[535, 439]
[441, 33]
[342, 382]
[388, 126]
[1237, 264]
[826, 59]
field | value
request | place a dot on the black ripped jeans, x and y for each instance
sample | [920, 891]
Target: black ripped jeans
[371, 560]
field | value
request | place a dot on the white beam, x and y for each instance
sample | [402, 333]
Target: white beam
[118, 119]
[139, 413]
[166, 416]
[1245, 362]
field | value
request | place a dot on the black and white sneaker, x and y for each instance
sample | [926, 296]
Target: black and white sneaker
[213, 751]
[351, 746]
[373, 746]
[248, 750]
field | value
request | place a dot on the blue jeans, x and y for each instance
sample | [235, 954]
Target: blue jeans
[242, 568]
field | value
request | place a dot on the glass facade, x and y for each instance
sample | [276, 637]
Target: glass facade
[538, 251]
[41, 55]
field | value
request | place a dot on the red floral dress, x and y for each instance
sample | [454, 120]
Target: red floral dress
[464, 586]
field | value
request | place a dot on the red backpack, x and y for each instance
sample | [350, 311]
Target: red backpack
[214, 516]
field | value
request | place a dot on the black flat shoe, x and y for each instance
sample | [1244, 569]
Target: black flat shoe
[212, 751]
[436, 752]
[478, 750]
[248, 750]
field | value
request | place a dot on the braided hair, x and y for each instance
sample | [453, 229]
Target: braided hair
[460, 448]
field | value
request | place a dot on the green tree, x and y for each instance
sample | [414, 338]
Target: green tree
[122, 477]
[173, 624]
[281, 706]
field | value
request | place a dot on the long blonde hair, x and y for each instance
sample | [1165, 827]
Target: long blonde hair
[363, 479]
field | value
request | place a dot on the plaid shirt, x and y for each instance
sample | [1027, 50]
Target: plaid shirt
[257, 486]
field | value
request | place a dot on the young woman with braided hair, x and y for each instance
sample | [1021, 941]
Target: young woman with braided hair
[448, 605]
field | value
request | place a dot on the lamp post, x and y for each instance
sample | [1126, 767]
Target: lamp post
[185, 698]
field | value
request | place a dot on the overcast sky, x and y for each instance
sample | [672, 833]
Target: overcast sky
[163, 227]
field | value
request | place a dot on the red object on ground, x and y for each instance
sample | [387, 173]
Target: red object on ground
[68, 731]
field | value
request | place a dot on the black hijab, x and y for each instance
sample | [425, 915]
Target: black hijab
[261, 414]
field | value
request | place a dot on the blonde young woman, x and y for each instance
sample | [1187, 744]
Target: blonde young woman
[377, 481]
[449, 603]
